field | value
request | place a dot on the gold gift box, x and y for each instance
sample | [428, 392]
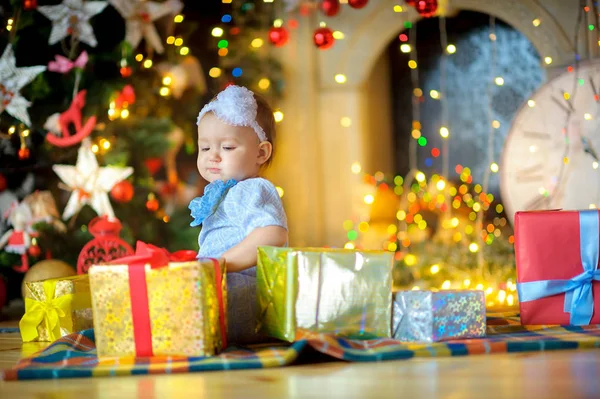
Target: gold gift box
[183, 308]
[47, 300]
[339, 291]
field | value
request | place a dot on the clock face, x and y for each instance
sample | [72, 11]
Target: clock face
[550, 158]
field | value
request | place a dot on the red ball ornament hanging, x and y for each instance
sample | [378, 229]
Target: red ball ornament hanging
[29, 5]
[426, 8]
[323, 38]
[34, 250]
[23, 153]
[152, 204]
[3, 183]
[278, 36]
[330, 7]
[105, 246]
[122, 191]
[357, 3]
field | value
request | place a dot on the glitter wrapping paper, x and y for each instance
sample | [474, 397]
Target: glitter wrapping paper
[182, 304]
[427, 316]
[345, 292]
[550, 248]
[70, 295]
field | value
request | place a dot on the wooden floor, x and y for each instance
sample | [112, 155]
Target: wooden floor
[563, 374]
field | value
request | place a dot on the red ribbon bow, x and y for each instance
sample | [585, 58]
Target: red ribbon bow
[157, 257]
[64, 65]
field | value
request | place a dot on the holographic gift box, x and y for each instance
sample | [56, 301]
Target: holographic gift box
[55, 308]
[557, 266]
[145, 305]
[427, 316]
[339, 291]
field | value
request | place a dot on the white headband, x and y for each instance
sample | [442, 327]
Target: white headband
[235, 106]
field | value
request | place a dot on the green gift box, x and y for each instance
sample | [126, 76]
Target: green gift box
[323, 290]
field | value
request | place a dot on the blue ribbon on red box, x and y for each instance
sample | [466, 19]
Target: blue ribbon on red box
[579, 299]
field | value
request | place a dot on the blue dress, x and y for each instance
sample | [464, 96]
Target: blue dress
[235, 212]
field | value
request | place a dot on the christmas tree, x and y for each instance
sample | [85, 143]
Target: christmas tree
[95, 121]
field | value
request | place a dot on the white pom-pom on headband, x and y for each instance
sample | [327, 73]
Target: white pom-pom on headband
[235, 106]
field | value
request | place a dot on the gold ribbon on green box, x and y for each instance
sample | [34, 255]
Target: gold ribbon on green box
[56, 307]
[324, 290]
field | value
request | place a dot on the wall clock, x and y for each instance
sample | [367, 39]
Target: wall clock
[550, 157]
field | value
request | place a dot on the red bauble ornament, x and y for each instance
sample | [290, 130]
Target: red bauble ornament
[3, 183]
[125, 71]
[278, 36]
[330, 7]
[153, 164]
[122, 191]
[426, 8]
[323, 38]
[34, 251]
[105, 246]
[357, 3]
[23, 153]
[29, 5]
[152, 205]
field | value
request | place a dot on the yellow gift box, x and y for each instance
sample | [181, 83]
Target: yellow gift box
[55, 308]
[337, 291]
[183, 305]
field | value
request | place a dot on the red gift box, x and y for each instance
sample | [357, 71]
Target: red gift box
[548, 250]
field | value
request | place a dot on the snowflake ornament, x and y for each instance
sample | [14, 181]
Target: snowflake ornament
[72, 17]
[89, 183]
[12, 80]
[139, 18]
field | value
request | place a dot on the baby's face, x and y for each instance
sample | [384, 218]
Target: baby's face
[226, 152]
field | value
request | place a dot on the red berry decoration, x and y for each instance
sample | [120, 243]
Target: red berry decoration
[105, 246]
[323, 38]
[122, 191]
[278, 36]
[330, 7]
[357, 3]
[426, 8]
[3, 182]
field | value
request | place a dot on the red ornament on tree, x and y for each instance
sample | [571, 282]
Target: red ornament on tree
[330, 7]
[426, 8]
[122, 191]
[152, 204]
[278, 36]
[34, 250]
[323, 38]
[153, 165]
[125, 71]
[357, 3]
[29, 5]
[105, 246]
[23, 152]
[3, 183]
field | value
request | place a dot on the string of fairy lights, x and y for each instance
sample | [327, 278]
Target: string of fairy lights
[471, 202]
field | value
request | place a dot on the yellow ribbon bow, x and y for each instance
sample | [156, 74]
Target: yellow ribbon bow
[53, 312]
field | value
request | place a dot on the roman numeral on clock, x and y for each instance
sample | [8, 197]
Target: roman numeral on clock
[530, 174]
[564, 104]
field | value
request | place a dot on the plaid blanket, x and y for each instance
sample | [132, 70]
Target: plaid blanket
[75, 355]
